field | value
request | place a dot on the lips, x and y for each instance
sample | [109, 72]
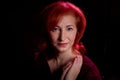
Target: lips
[62, 44]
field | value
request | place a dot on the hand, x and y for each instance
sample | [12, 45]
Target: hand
[72, 69]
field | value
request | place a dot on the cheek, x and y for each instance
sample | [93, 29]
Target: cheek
[53, 37]
[72, 37]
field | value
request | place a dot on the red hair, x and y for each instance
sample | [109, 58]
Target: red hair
[53, 13]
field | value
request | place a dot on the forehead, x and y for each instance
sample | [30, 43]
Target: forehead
[67, 19]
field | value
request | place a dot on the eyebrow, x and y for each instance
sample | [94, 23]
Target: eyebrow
[66, 26]
[70, 25]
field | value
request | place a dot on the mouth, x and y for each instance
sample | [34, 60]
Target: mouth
[62, 44]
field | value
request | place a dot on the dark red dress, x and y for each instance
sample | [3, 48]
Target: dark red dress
[89, 71]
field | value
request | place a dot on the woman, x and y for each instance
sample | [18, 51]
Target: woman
[61, 54]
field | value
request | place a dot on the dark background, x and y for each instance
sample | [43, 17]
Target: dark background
[100, 39]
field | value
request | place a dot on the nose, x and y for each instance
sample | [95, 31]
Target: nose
[62, 35]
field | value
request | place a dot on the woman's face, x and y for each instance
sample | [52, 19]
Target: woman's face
[64, 33]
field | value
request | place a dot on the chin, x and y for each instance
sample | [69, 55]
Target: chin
[62, 49]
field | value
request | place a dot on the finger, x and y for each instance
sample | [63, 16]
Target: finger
[68, 64]
[77, 64]
[65, 70]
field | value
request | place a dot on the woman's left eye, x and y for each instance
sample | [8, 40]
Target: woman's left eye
[69, 29]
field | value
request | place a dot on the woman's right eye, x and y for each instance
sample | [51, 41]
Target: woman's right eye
[55, 29]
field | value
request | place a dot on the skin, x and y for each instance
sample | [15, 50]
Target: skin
[62, 37]
[73, 68]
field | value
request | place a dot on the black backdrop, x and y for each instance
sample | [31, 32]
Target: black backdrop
[100, 39]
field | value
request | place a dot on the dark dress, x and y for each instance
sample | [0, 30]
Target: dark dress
[89, 71]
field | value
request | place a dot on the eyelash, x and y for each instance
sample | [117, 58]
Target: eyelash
[58, 29]
[55, 29]
[69, 29]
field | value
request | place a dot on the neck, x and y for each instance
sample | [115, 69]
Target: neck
[61, 60]
[64, 57]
